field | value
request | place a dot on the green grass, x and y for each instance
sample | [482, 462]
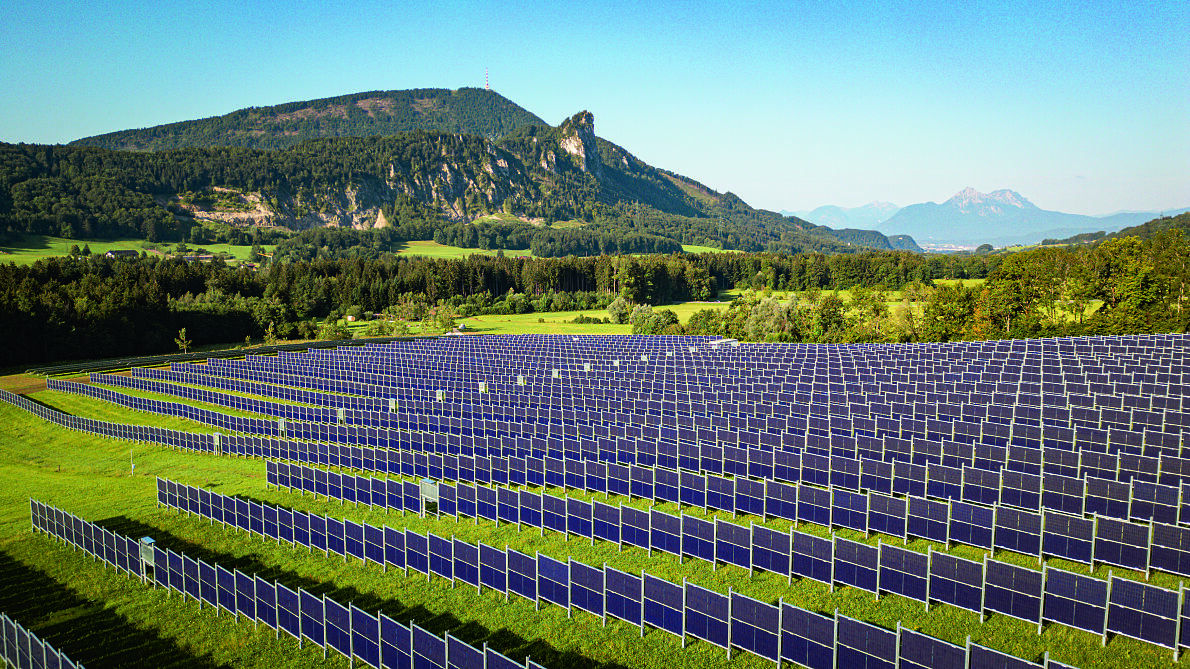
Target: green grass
[547, 323]
[88, 476]
[432, 249]
[37, 247]
[694, 248]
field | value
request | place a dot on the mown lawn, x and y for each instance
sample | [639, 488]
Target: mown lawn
[101, 619]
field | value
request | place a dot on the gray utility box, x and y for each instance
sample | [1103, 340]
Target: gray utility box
[147, 556]
[429, 495]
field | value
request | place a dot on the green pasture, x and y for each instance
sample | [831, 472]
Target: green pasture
[432, 249]
[32, 248]
[695, 248]
[101, 619]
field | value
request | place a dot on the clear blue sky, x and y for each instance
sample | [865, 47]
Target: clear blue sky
[1081, 107]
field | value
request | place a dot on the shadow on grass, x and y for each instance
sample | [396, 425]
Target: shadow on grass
[84, 630]
[473, 632]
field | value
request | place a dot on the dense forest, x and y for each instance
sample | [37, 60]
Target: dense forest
[81, 307]
[471, 111]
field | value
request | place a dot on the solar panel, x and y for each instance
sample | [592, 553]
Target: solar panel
[288, 613]
[928, 519]
[529, 512]
[1064, 494]
[971, 524]
[1013, 591]
[956, 581]
[909, 479]
[918, 651]
[862, 645]
[755, 626]
[394, 548]
[856, 565]
[417, 552]
[586, 588]
[1121, 543]
[623, 595]
[693, 489]
[485, 503]
[904, 572]
[664, 605]
[814, 505]
[466, 562]
[720, 494]
[619, 479]
[553, 513]
[634, 527]
[698, 538]
[665, 532]
[1020, 489]
[707, 615]
[522, 574]
[313, 622]
[1154, 502]
[770, 550]
[979, 657]
[553, 581]
[812, 557]
[749, 497]
[338, 626]
[428, 649]
[441, 556]
[353, 538]
[1069, 537]
[493, 572]
[667, 485]
[460, 655]
[807, 638]
[733, 544]
[578, 517]
[1075, 601]
[944, 482]
[1144, 612]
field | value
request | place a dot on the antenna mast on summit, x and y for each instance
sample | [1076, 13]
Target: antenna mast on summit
[486, 85]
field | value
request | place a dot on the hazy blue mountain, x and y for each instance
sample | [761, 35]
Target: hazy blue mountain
[1000, 218]
[868, 216]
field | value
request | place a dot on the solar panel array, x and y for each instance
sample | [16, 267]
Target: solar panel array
[22, 649]
[730, 620]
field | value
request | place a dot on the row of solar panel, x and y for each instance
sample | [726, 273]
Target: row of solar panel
[720, 459]
[377, 640]
[772, 431]
[23, 650]
[780, 632]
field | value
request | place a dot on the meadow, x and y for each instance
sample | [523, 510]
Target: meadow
[32, 248]
[100, 618]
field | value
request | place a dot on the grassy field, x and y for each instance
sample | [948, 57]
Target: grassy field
[71, 601]
[36, 247]
[694, 248]
[431, 249]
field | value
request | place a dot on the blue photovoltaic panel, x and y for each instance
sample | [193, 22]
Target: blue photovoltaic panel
[266, 602]
[596, 476]
[857, 564]
[707, 615]
[335, 536]
[493, 571]
[448, 502]
[245, 595]
[634, 527]
[815, 469]
[208, 578]
[353, 539]
[285, 524]
[313, 622]
[807, 638]
[814, 505]
[944, 482]
[787, 466]
[664, 605]
[1069, 537]
[1075, 601]
[981, 486]
[411, 497]
[191, 577]
[622, 595]
[720, 494]
[618, 479]
[1170, 550]
[417, 552]
[928, 519]
[394, 547]
[876, 476]
[850, 510]
[605, 521]
[770, 550]
[485, 502]
[522, 575]
[665, 532]
[667, 485]
[288, 616]
[919, 651]
[578, 517]
[586, 588]
[441, 556]
[1020, 489]
[971, 525]
[465, 500]
[693, 489]
[1018, 531]
[1062, 493]
[226, 582]
[749, 497]
[698, 538]
[909, 479]
[508, 505]
[781, 500]
[462, 655]
[495, 660]
[812, 557]
[1153, 502]
[1107, 498]
[756, 627]
[956, 581]
[466, 562]
[1122, 543]
[641, 481]
[396, 643]
[1144, 612]
[1013, 591]
[733, 544]
[553, 581]
[553, 513]
[530, 511]
[428, 650]
[176, 578]
[365, 636]
[887, 515]
[374, 544]
[864, 645]
[394, 494]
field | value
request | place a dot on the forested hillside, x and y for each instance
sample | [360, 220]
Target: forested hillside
[471, 111]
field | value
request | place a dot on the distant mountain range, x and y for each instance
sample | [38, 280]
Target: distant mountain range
[970, 218]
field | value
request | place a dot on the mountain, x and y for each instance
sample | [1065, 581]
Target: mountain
[1000, 218]
[1145, 231]
[472, 111]
[471, 179]
[868, 216]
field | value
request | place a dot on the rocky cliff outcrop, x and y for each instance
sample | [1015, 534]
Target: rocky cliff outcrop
[578, 139]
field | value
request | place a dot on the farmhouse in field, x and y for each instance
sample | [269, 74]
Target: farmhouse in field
[122, 253]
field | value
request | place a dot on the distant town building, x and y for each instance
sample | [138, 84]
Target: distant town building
[122, 253]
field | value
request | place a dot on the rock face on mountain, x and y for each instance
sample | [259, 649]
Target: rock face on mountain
[578, 139]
